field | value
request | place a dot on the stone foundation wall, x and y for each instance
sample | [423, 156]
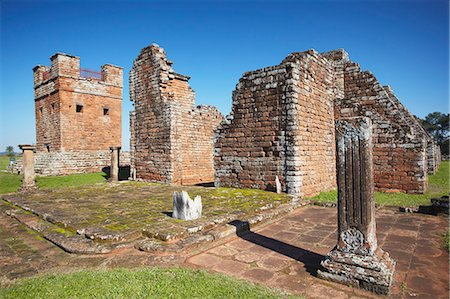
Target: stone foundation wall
[171, 139]
[63, 163]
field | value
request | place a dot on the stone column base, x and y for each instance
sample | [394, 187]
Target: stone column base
[370, 272]
[31, 188]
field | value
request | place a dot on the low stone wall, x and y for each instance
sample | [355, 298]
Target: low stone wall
[68, 162]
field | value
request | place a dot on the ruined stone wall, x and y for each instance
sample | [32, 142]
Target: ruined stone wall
[251, 148]
[76, 111]
[282, 125]
[171, 139]
[399, 142]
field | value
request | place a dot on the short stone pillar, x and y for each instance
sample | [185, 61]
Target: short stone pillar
[185, 208]
[114, 168]
[28, 151]
[356, 259]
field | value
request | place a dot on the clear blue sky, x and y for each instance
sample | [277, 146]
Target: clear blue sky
[404, 43]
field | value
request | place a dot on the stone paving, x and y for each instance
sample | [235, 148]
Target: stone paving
[284, 254]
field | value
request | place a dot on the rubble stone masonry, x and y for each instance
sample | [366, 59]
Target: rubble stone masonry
[171, 139]
[78, 115]
[399, 140]
[282, 124]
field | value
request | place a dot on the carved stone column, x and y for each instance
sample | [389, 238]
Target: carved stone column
[28, 151]
[356, 259]
[114, 169]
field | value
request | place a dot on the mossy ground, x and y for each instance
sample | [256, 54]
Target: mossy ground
[128, 207]
[438, 185]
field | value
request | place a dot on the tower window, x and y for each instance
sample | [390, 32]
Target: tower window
[40, 111]
[53, 106]
[105, 111]
[79, 108]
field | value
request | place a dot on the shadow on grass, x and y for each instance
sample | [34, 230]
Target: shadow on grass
[124, 172]
[311, 260]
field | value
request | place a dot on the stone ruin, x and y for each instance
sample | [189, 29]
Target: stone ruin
[171, 139]
[283, 124]
[78, 116]
[280, 133]
[185, 208]
[357, 259]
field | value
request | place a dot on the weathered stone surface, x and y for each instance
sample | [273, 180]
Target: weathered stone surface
[114, 166]
[171, 138]
[78, 115]
[28, 183]
[282, 124]
[185, 208]
[278, 184]
[356, 259]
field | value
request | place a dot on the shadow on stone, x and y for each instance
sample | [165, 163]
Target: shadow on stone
[124, 172]
[168, 214]
[310, 259]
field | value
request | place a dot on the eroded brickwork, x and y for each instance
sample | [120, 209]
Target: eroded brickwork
[78, 114]
[282, 124]
[171, 139]
[399, 141]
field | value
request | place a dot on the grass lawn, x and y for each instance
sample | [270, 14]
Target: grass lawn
[11, 182]
[438, 185]
[4, 162]
[140, 283]
[73, 180]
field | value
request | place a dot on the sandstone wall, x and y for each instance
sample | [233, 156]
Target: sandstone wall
[282, 125]
[63, 163]
[171, 139]
[77, 111]
[399, 141]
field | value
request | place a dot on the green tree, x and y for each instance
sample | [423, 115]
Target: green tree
[437, 125]
[10, 151]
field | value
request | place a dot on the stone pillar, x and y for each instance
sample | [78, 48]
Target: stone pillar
[114, 168]
[356, 259]
[28, 167]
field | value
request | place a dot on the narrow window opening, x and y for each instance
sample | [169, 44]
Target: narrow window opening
[79, 108]
[105, 111]
[40, 111]
[53, 107]
[47, 146]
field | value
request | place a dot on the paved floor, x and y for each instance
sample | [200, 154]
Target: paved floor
[283, 254]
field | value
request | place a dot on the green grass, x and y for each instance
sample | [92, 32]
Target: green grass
[4, 162]
[138, 283]
[11, 182]
[72, 180]
[438, 185]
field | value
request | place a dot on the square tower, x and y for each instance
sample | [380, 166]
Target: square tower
[78, 115]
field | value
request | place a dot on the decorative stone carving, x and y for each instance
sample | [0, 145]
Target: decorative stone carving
[185, 208]
[356, 259]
